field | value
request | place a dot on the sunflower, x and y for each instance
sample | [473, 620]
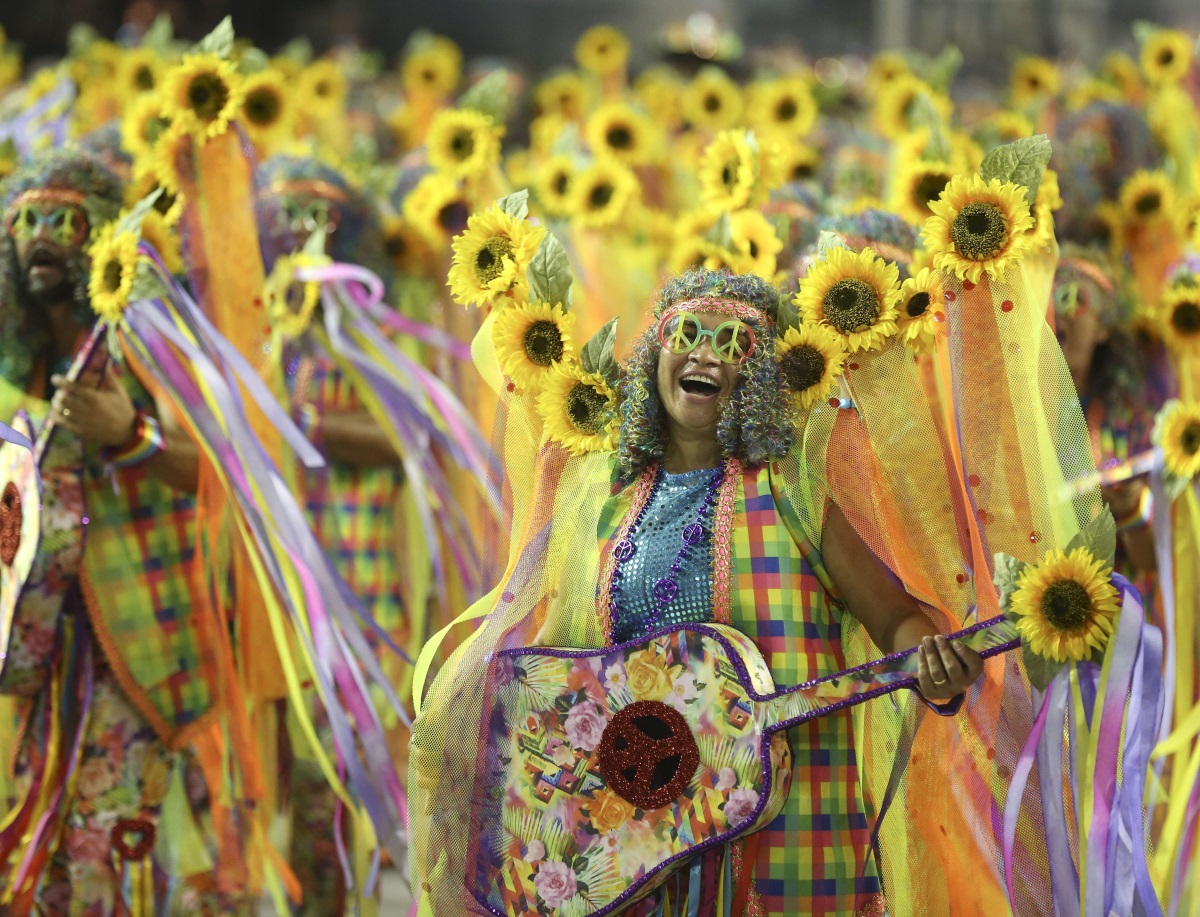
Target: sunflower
[1189, 221]
[602, 50]
[172, 148]
[1181, 319]
[162, 237]
[268, 113]
[291, 303]
[1166, 56]
[463, 143]
[1009, 126]
[755, 237]
[1177, 433]
[433, 69]
[659, 90]
[563, 94]
[1147, 196]
[438, 209]
[141, 71]
[1121, 70]
[712, 101]
[579, 410]
[852, 294]
[202, 94]
[885, 68]
[894, 105]
[800, 162]
[142, 125]
[531, 340]
[1089, 91]
[785, 107]
[689, 252]
[978, 226]
[810, 358]
[1048, 200]
[170, 203]
[918, 183]
[1034, 79]
[322, 89]
[114, 263]
[719, 258]
[737, 171]
[407, 250]
[1065, 605]
[601, 192]
[490, 258]
[553, 185]
[921, 317]
[617, 130]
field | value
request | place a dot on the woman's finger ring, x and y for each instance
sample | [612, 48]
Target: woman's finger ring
[66, 412]
[936, 682]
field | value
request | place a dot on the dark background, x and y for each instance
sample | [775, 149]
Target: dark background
[539, 34]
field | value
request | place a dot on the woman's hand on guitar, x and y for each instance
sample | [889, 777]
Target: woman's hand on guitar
[98, 410]
[946, 669]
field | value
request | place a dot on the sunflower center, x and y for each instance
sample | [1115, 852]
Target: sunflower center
[851, 304]
[586, 408]
[1066, 604]
[1165, 56]
[979, 232]
[143, 78]
[729, 174]
[1185, 318]
[154, 128]
[600, 196]
[489, 261]
[428, 76]
[1189, 439]
[543, 343]
[802, 172]
[752, 247]
[207, 95]
[165, 201]
[262, 106]
[619, 137]
[452, 217]
[395, 246]
[1148, 203]
[917, 304]
[561, 182]
[712, 103]
[112, 276]
[462, 144]
[929, 188]
[786, 110]
[802, 367]
[323, 88]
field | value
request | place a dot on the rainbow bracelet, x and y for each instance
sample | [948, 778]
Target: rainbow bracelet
[1140, 515]
[147, 441]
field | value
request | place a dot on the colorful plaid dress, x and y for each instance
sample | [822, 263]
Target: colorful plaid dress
[814, 858]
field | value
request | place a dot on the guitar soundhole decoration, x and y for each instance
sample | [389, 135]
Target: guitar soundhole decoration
[133, 838]
[10, 524]
[648, 755]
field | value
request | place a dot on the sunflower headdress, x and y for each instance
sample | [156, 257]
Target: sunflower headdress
[1166, 54]
[978, 226]
[738, 170]
[493, 255]
[852, 295]
[810, 361]
[1177, 434]
[119, 271]
[432, 66]
[463, 143]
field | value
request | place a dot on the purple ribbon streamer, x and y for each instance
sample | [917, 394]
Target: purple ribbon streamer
[1064, 878]
[1020, 778]
[9, 435]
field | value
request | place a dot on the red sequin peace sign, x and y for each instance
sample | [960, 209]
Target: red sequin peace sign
[648, 754]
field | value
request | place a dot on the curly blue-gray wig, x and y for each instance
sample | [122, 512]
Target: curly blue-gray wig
[24, 330]
[756, 423]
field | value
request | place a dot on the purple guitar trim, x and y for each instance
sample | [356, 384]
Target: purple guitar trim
[45, 435]
[734, 656]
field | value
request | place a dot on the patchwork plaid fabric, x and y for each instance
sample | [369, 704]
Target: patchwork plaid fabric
[355, 511]
[137, 566]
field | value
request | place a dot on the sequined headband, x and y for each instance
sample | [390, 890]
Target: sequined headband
[735, 308]
[44, 196]
[313, 187]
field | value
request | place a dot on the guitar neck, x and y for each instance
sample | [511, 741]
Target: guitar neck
[80, 362]
[792, 706]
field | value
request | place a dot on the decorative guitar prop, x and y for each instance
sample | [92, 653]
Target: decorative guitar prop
[605, 770]
[41, 526]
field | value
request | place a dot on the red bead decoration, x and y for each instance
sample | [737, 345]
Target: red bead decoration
[10, 524]
[949, 296]
[511, 387]
[939, 316]
[968, 286]
[961, 578]
[1007, 305]
[834, 402]
[647, 754]
[1035, 536]
[973, 480]
[852, 366]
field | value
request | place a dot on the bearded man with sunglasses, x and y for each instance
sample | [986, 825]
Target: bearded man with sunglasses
[104, 669]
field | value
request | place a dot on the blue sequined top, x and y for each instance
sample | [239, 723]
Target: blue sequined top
[676, 503]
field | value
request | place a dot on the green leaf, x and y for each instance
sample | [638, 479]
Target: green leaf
[1021, 162]
[925, 115]
[516, 205]
[1008, 573]
[721, 234]
[80, 38]
[299, 50]
[567, 142]
[1099, 536]
[160, 34]
[1041, 670]
[1143, 31]
[132, 221]
[942, 70]
[828, 240]
[549, 273]
[314, 245]
[219, 41]
[252, 61]
[597, 355]
[489, 96]
[1174, 485]
[146, 284]
[418, 41]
